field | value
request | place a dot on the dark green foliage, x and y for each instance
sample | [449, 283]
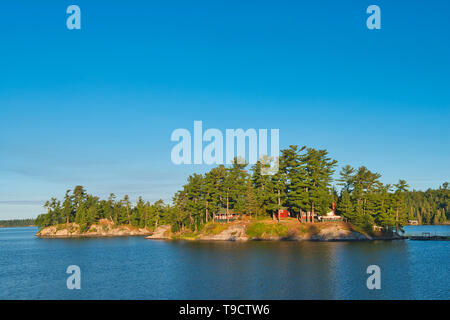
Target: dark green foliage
[365, 201]
[430, 206]
[85, 209]
[303, 182]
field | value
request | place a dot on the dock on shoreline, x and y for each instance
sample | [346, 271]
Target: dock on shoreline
[426, 236]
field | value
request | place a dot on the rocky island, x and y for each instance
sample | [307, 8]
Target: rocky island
[103, 228]
[240, 230]
[239, 203]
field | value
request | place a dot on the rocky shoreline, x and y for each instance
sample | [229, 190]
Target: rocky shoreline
[238, 232]
[287, 230]
[102, 229]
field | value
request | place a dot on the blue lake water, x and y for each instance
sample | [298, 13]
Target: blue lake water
[136, 268]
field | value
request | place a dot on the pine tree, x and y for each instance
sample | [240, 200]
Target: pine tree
[68, 209]
[400, 209]
[319, 171]
[292, 163]
[251, 203]
[345, 206]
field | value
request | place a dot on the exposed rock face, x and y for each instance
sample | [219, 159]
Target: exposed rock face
[336, 232]
[104, 228]
[233, 233]
[338, 235]
[161, 232]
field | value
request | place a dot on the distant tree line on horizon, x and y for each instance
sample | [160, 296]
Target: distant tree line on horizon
[17, 223]
[302, 184]
[430, 206]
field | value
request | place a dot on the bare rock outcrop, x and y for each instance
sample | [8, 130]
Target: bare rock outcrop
[233, 233]
[161, 232]
[104, 228]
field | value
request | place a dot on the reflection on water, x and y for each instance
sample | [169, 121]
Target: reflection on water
[135, 268]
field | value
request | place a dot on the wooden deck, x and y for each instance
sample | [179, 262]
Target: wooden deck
[426, 236]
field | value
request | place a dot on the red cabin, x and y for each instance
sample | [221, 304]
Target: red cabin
[283, 213]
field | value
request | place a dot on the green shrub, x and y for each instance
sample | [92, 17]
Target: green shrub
[84, 227]
[175, 228]
[260, 230]
[187, 235]
[215, 228]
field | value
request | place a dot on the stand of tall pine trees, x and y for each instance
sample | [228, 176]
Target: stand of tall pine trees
[302, 184]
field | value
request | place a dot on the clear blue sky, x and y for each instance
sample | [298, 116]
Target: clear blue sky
[97, 106]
